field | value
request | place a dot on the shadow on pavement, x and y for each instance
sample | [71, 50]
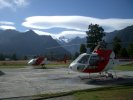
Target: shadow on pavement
[115, 81]
[2, 73]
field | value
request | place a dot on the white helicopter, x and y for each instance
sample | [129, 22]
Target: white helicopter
[38, 61]
[99, 61]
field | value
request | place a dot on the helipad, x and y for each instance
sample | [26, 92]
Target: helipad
[29, 81]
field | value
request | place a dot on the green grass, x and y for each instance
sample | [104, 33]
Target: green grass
[114, 93]
[128, 67]
[13, 64]
[23, 63]
[56, 65]
[121, 92]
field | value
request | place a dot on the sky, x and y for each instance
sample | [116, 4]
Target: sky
[67, 18]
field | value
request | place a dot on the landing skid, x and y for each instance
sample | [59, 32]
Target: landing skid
[39, 67]
[102, 76]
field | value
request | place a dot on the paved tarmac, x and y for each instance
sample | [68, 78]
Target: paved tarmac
[28, 81]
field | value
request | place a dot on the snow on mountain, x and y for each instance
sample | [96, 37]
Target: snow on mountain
[69, 36]
[64, 36]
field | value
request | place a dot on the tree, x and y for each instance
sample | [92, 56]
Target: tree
[94, 35]
[116, 46]
[130, 49]
[83, 48]
[14, 57]
[123, 52]
[76, 55]
[2, 57]
[25, 57]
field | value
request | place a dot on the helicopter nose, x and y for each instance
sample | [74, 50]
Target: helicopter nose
[31, 62]
[73, 67]
[70, 67]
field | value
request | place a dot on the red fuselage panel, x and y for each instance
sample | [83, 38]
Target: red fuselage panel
[39, 60]
[102, 63]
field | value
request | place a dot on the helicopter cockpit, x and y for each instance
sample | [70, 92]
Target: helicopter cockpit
[85, 61]
[94, 60]
[89, 59]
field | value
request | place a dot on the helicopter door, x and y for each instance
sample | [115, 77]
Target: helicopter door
[83, 62]
[93, 61]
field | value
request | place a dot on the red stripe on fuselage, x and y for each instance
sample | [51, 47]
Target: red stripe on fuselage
[105, 56]
[39, 60]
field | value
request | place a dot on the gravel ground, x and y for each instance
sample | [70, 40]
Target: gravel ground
[28, 81]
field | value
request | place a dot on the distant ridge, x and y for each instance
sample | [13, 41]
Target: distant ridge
[28, 43]
[126, 35]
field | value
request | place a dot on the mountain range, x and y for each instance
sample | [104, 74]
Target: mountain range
[29, 43]
[73, 45]
[125, 35]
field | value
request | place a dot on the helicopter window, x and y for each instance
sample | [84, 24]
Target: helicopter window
[80, 67]
[84, 59]
[94, 60]
[91, 67]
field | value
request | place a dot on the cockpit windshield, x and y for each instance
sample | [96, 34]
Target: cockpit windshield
[91, 59]
[83, 59]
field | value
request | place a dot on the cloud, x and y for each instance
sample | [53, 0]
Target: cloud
[66, 34]
[21, 3]
[48, 22]
[6, 23]
[73, 25]
[4, 27]
[77, 23]
[13, 4]
[42, 32]
[70, 34]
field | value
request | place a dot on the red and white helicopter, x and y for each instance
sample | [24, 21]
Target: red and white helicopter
[99, 61]
[38, 61]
